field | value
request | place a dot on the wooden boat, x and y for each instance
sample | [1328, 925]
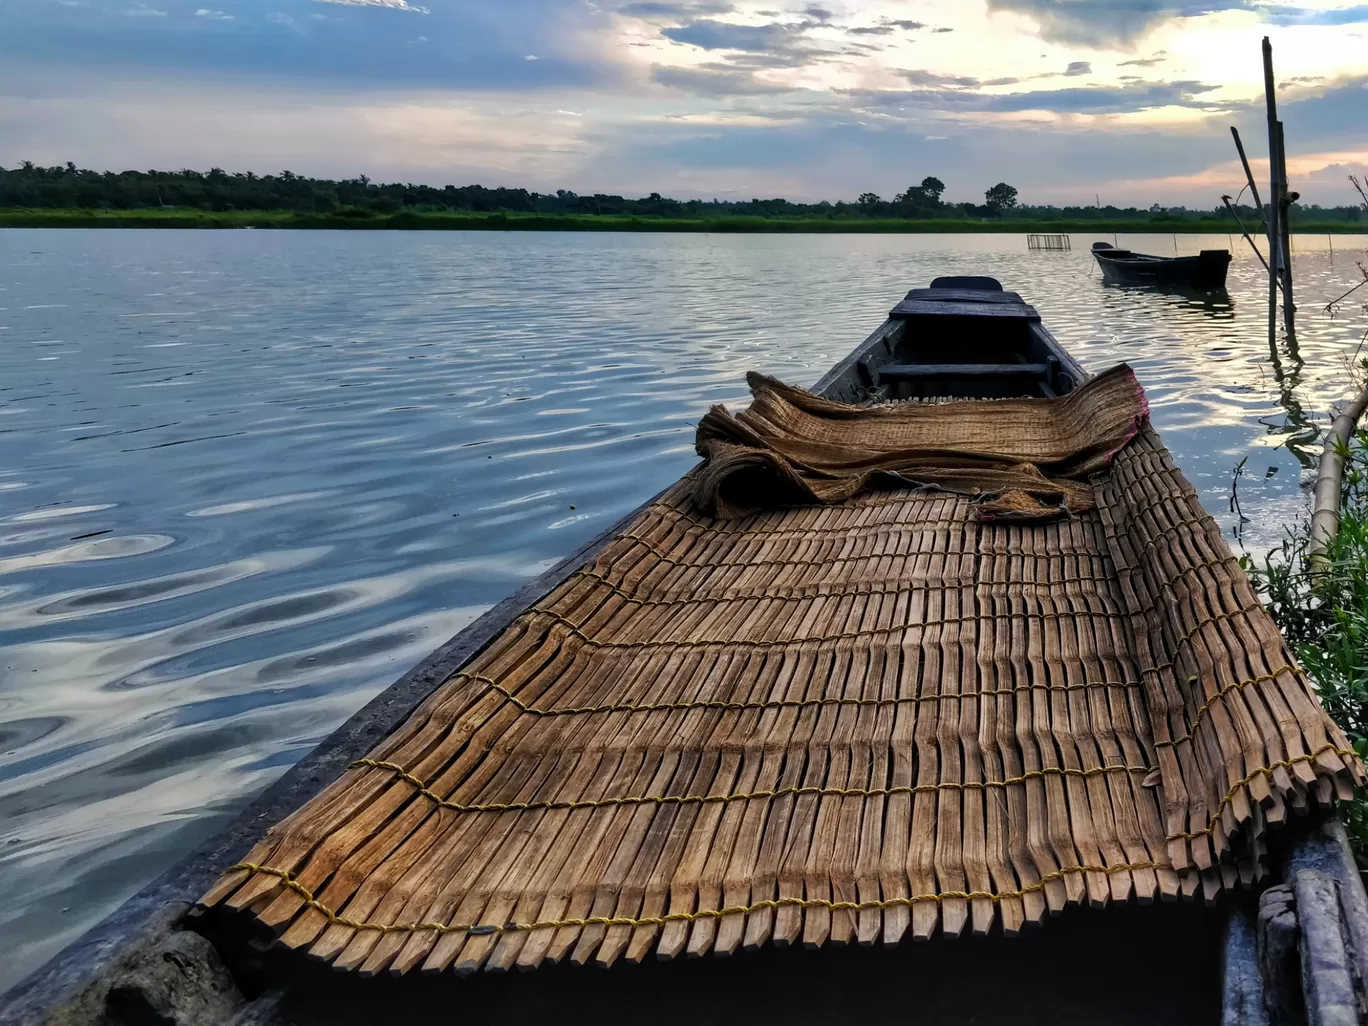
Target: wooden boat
[177, 953]
[1206, 270]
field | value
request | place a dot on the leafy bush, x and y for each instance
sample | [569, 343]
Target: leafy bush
[1323, 613]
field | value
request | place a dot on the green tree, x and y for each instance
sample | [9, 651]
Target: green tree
[932, 188]
[1000, 197]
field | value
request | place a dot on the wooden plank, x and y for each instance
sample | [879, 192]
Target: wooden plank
[938, 308]
[965, 296]
[907, 371]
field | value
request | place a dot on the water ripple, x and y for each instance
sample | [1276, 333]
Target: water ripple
[250, 477]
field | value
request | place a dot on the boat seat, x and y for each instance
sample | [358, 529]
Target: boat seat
[910, 371]
[977, 282]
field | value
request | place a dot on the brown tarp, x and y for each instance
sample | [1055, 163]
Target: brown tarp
[856, 721]
[1020, 458]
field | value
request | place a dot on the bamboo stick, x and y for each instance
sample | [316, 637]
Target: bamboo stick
[1329, 482]
[1275, 255]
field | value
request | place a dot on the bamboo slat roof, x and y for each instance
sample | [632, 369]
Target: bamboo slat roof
[855, 721]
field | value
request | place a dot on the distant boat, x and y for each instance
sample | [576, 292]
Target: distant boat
[1206, 270]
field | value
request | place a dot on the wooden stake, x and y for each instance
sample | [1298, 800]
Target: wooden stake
[1284, 224]
[1275, 190]
[1249, 176]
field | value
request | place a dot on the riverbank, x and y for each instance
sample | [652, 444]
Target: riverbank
[176, 217]
[1325, 617]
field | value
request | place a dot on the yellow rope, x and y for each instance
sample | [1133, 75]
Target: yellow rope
[715, 526]
[479, 930]
[803, 703]
[1219, 695]
[940, 584]
[578, 631]
[943, 584]
[737, 526]
[1159, 536]
[785, 703]
[768, 795]
[1266, 771]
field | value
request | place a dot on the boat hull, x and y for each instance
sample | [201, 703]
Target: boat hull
[1206, 270]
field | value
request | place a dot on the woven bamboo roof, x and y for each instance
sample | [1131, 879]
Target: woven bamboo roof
[855, 721]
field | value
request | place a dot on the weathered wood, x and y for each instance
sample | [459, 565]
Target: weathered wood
[1242, 989]
[939, 294]
[1275, 188]
[1327, 969]
[963, 308]
[906, 371]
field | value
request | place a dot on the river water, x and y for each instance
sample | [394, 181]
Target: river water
[249, 478]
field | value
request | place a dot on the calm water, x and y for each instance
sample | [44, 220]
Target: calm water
[249, 478]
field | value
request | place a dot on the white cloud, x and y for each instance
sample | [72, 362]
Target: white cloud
[531, 57]
[570, 112]
[393, 5]
[143, 11]
[204, 12]
[276, 18]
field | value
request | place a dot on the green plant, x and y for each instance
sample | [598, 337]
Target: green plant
[1323, 613]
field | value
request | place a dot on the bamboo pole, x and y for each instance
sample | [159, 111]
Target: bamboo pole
[1275, 190]
[1329, 481]
[1285, 200]
[1249, 177]
[1245, 233]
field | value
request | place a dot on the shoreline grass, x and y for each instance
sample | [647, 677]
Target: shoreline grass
[1325, 618]
[178, 217]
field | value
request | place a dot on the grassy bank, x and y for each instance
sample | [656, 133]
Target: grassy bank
[180, 217]
[1326, 622]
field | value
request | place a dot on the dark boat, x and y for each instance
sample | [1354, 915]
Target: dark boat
[1299, 948]
[1206, 270]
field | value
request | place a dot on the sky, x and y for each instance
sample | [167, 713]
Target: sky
[1129, 101]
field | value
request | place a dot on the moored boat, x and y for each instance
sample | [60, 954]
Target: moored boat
[1206, 270]
[909, 655]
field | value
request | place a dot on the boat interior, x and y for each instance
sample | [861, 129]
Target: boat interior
[964, 338]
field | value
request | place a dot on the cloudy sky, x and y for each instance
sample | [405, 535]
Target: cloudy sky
[1065, 99]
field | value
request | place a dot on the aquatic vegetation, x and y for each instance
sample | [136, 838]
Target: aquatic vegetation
[1323, 613]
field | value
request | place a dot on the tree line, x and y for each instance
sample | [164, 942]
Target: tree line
[29, 186]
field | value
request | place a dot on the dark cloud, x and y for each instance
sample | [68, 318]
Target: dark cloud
[1106, 100]
[930, 78]
[676, 11]
[1302, 16]
[1146, 62]
[1078, 68]
[1337, 116]
[720, 35]
[474, 45]
[1081, 100]
[714, 80]
[1115, 22]
[820, 13]
[886, 27]
[943, 29]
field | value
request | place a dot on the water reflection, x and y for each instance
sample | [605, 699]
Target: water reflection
[247, 478]
[1214, 303]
